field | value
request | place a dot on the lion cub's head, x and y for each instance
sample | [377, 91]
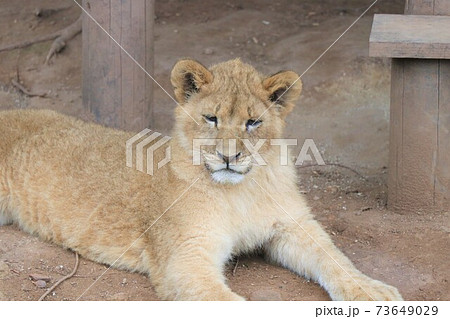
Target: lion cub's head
[227, 112]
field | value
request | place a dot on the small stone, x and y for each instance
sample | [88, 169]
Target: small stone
[208, 51]
[316, 197]
[36, 277]
[121, 296]
[333, 189]
[255, 40]
[341, 227]
[40, 284]
[265, 22]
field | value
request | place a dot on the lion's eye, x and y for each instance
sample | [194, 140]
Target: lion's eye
[252, 124]
[211, 119]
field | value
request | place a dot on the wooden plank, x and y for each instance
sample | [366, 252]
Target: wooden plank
[410, 36]
[442, 172]
[115, 89]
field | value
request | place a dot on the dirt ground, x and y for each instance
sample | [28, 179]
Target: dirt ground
[344, 108]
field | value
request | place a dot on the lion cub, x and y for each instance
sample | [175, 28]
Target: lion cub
[67, 182]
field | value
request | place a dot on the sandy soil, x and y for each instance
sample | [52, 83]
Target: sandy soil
[345, 108]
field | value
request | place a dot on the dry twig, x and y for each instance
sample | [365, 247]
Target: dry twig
[337, 165]
[62, 279]
[235, 265]
[25, 91]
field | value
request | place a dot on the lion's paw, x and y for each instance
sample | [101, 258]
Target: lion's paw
[369, 289]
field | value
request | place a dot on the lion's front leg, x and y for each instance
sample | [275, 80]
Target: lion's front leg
[305, 248]
[192, 272]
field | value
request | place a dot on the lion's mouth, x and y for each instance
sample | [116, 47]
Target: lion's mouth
[227, 176]
[225, 172]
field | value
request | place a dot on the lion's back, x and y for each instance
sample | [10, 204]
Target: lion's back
[67, 180]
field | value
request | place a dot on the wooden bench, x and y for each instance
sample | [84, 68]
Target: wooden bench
[419, 150]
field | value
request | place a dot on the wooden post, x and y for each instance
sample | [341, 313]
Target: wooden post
[419, 150]
[115, 90]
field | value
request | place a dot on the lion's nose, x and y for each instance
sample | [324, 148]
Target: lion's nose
[228, 159]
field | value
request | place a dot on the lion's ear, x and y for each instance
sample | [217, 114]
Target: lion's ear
[283, 90]
[188, 76]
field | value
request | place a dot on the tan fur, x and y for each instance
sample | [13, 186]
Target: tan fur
[66, 181]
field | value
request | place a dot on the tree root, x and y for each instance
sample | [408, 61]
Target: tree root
[66, 34]
[44, 12]
[60, 38]
[25, 91]
[27, 43]
[62, 279]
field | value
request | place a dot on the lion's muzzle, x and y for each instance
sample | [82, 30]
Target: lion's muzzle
[227, 169]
